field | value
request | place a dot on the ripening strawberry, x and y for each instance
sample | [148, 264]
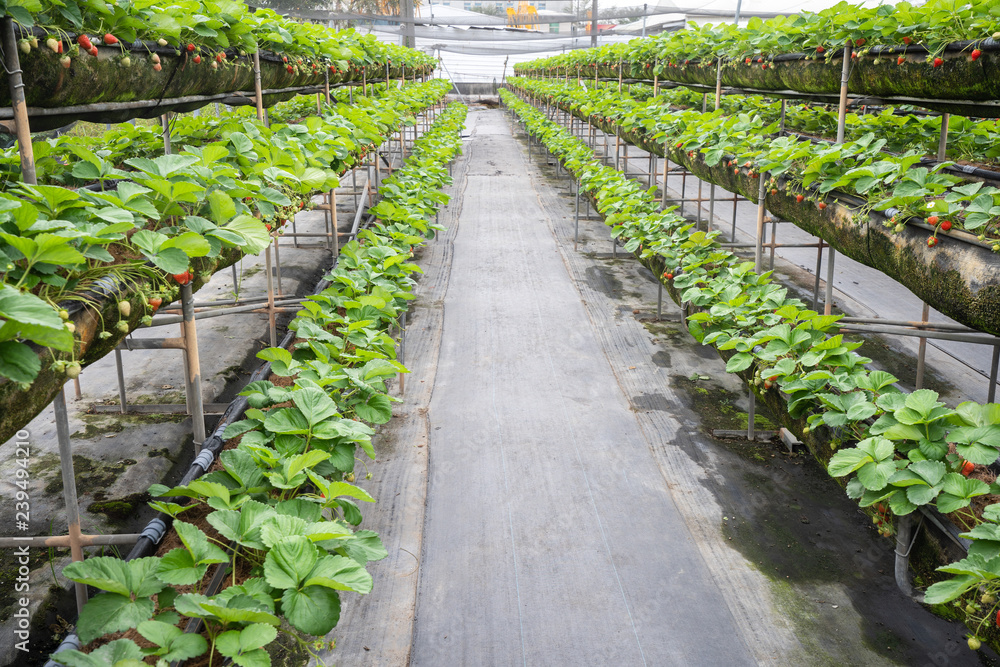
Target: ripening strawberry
[65, 61]
[53, 44]
[157, 67]
[155, 58]
[932, 241]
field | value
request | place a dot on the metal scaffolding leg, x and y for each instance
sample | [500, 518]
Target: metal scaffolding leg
[828, 305]
[922, 351]
[121, 380]
[192, 366]
[270, 298]
[69, 490]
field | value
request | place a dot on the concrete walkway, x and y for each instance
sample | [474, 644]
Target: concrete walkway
[550, 536]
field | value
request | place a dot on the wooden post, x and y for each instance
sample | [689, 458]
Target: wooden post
[21, 124]
[256, 84]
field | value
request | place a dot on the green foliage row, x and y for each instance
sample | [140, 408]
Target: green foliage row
[284, 501]
[895, 447]
[231, 184]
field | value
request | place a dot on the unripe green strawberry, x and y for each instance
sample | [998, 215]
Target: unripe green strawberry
[122, 326]
[125, 308]
[73, 370]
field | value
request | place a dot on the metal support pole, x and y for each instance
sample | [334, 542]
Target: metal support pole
[326, 84]
[659, 299]
[334, 241]
[258, 97]
[122, 397]
[165, 124]
[845, 74]
[942, 150]
[759, 239]
[828, 305]
[752, 417]
[922, 344]
[576, 231]
[277, 265]
[819, 269]
[993, 374]
[192, 380]
[69, 490]
[666, 165]
[270, 297]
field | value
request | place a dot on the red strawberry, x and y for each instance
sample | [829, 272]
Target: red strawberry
[937, 62]
[907, 40]
[764, 66]
[900, 60]
[821, 205]
[155, 303]
[197, 60]
[799, 198]
[93, 51]
[967, 468]
[84, 42]
[182, 278]
[190, 47]
[110, 39]
[860, 42]
[748, 61]
[933, 220]
[820, 49]
[774, 191]
[976, 53]
[946, 226]
[290, 69]
[218, 57]
[932, 241]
